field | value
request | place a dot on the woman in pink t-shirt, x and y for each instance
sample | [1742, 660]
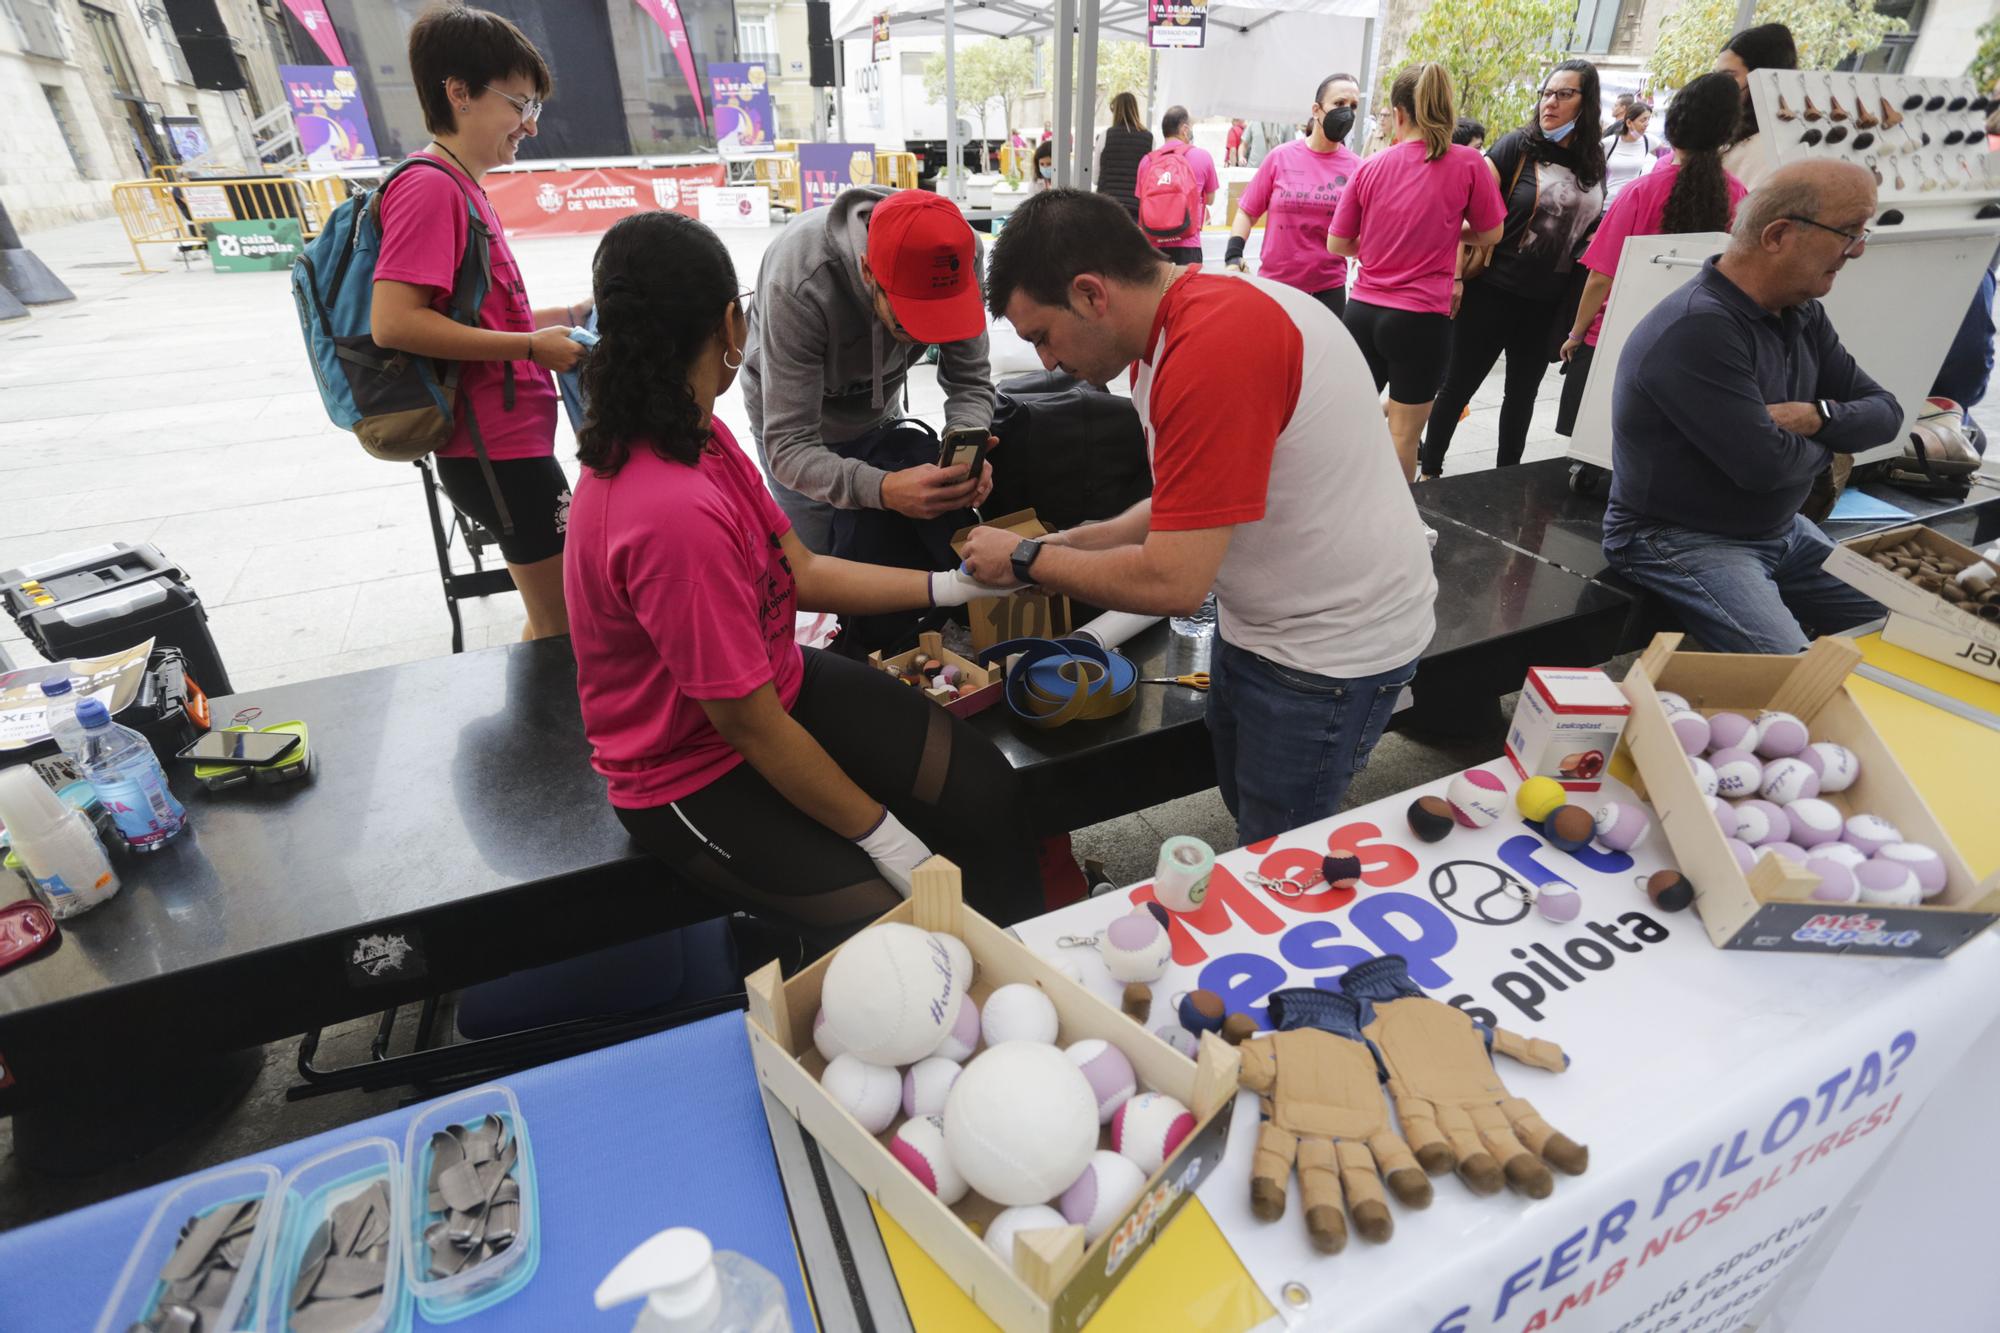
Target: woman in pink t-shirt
[1692, 193]
[1295, 191]
[787, 782]
[481, 84]
[1403, 216]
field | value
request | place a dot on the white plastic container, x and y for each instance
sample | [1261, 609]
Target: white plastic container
[690, 1287]
[314, 1189]
[470, 1290]
[65, 862]
[139, 1286]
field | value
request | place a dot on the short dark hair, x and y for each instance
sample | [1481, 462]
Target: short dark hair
[1056, 235]
[1468, 130]
[1171, 123]
[455, 42]
[1766, 46]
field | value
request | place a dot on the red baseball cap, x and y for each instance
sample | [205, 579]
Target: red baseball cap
[920, 251]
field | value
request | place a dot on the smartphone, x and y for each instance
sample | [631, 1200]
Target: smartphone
[253, 749]
[965, 446]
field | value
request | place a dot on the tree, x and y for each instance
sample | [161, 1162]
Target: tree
[1827, 32]
[999, 69]
[1122, 67]
[1985, 67]
[1497, 52]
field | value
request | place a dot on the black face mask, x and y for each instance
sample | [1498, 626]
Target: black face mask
[1337, 122]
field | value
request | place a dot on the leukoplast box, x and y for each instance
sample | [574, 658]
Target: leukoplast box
[1566, 725]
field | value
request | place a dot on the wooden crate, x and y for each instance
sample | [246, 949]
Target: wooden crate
[1056, 1283]
[1771, 907]
[980, 687]
[1850, 563]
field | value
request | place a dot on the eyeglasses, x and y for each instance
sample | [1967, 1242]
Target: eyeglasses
[1560, 94]
[1855, 240]
[529, 107]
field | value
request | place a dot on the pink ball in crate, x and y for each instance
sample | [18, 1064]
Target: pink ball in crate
[1836, 881]
[1690, 729]
[1923, 862]
[1622, 825]
[1870, 833]
[1760, 823]
[919, 1146]
[1813, 821]
[1780, 735]
[1148, 1128]
[1737, 773]
[1788, 780]
[1731, 731]
[1836, 765]
[1100, 1196]
[1110, 1074]
[1888, 883]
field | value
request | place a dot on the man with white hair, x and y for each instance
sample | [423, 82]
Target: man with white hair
[1732, 394]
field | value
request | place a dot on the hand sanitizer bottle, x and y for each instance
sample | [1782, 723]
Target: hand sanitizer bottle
[691, 1288]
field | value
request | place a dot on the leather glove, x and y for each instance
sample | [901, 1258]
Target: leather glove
[1321, 1085]
[895, 851]
[1449, 1099]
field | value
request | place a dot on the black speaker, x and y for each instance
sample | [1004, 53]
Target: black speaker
[819, 42]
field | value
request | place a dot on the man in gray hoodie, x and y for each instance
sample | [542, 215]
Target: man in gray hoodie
[848, 298]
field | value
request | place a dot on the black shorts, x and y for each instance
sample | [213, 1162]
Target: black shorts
[537, 496]
[1407, 350]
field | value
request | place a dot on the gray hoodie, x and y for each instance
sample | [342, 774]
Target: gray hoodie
[821, 370]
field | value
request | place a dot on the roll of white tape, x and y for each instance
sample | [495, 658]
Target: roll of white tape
[1115, 627]
[1181, 881]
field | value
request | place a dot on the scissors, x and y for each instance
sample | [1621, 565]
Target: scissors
[1196, 681]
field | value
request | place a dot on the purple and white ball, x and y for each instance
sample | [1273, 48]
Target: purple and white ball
[1836, 881]
[927, 1083]
[1870, 833]
[1704, 774]
[1100, 1196]
[1690, 729]
[1791, 851]
[1788, 780]
[1845, 854]
[1108, 1072]
[1780, 735]
[1731, 731]
[1621, 825]
[1725, 816]
[1558, 902]
[1814, 822]
[1737, 773]
[1761, 823]
[1673, 703]
[1136, 947]
[1745, 854]
[1178, 1037]
[1888, 883]
[963, 1038]
[1836, 765]
[1923, 862]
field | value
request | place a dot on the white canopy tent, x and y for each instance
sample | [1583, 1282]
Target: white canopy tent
[1261, 57]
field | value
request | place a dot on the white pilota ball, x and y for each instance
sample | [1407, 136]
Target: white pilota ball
[1836, 765]
[927, 1083]
[1018, 1012]
[1108, 1186]
[1021, 1122]
[870, 1093]
[1779, 735]
[1011, 1222]
[962, 1039]
[823, 1038]
[891, 993]
[961, 955]
[1788, 780]
[1148, 1128]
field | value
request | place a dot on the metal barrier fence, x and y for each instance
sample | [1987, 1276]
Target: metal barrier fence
[176, 212]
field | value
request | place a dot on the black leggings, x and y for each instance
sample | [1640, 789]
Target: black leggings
[1405, 349]
[1491, 322]
[1334, 299]
[741, 842]
[1576, 378]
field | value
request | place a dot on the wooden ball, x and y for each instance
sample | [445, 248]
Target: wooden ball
[1430, 818]
[1138, 1002]
[1669, 890]
[1571, 827]
[1238, 1028]
[1201, 1011]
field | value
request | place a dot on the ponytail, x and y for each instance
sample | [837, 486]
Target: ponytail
[1424, 94]
[1700, 123]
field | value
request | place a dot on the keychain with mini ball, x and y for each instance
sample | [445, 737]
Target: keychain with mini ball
[1135, 947]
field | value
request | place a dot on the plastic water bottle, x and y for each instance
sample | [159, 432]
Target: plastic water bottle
[691, 1288]
[129, 780]
[1200, 625]
[60, 711]
[65, 862]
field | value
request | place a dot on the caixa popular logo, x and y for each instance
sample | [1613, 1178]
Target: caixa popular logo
[1838, 930]
[666, 192]
[549, 198]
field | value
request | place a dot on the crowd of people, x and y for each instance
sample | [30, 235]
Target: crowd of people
[806, 787]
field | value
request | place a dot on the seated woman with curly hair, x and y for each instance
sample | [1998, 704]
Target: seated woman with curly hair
[783, 781]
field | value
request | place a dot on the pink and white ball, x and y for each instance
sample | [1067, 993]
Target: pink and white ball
[963, 1038]
[1869, 834]
[1018, 1012]
[1704, 775]
[1136, 947]
[1021, 1122]
[1924, 863]
[1737, 773]
[1100, 1196]
[1621, 825]
[1788, 780]
[1814, 822]
[1731, 731]
[1836, 765]
[1476, 797]
[1109, 1073]
[1780, 735]
[927, 1083]
[1149, 1127]
[1888, 883]
[919, 1146]
[1690, 729]
[1761, 823]
[871, 1093]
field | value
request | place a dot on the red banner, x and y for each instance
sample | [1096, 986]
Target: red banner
[312, 16]
[667, 13]
[583, 203]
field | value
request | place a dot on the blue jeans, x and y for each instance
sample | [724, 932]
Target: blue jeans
[1288, 742]
[1740, 596]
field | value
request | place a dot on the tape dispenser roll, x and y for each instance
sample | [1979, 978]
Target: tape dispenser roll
[1054, 681]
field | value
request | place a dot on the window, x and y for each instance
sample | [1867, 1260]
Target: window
[41, 35]
[59, 108]
[1598, 24]
[753, 40]
[102, 25]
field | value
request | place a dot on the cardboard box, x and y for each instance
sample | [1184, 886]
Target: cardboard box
[1849, 563]
[1942, 645]
[1566, 726]
[1056, 1283]
[980, 687]
[1028, 614]
[1771, 908]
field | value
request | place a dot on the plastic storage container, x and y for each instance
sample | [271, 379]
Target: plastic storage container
[471, 1290]
[310, 1193]
[139, 1286]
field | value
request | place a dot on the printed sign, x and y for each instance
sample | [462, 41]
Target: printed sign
[263, 246]
[1177, 23]
[312, 16]
[880, 51]
[734, 205]
[825, 169]
[326, 107]
[206, 203]
[190, 140]
[583, 203]
[667, 14]
[742, 107]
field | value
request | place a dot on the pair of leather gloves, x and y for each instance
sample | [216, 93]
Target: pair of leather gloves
[1320, 1075]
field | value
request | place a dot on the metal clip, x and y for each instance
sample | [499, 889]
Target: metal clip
[1078, 941]
[1284, 888]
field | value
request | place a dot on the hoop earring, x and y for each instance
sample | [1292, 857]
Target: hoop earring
[737, 364]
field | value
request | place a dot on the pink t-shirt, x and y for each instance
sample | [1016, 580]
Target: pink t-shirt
[424, 234]
[678, 591]
[1405, 212]
[1296, 191]
[1639, 210]
[1203, 166]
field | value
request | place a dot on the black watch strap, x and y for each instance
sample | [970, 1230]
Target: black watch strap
[1023, 559]
[1824, 406]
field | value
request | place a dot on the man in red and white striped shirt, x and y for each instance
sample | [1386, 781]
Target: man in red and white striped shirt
[1274, 483]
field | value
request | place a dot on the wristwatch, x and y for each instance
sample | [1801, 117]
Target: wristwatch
[1823, 406]
[1023, 559]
